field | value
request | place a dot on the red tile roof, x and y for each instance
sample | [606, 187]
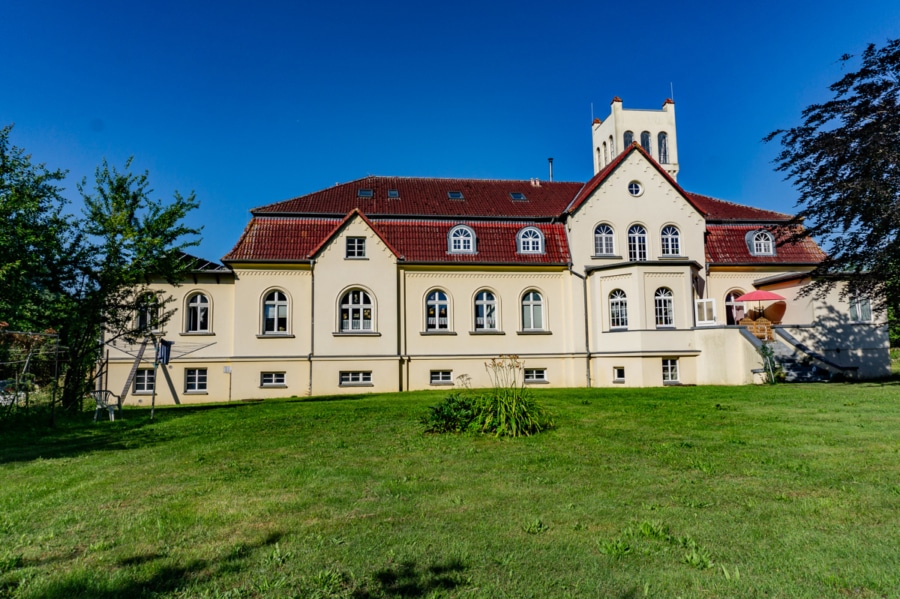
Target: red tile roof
[715, 209]
[428, 197]
[281, 239]
[726, 244]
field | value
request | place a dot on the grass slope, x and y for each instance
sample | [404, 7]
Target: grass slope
[777, 491]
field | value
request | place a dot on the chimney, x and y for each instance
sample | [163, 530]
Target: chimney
[550, 160]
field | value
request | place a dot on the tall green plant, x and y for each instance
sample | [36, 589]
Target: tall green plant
[509, 408]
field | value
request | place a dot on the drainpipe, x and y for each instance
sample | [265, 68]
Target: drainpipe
[587, 329]
[312, 323]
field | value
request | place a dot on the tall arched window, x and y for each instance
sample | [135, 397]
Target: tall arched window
[645, 140]
[763, 244]
[618, 310]
[627, 139]
[734, 311]
[671, 243]
[437, 310]
[603, 241]
[198, 314]
[461, 240]
[612, 146]
[662, 142]
[356, 311]
[532, 311]
[664, 307]
[147, 313]
[531, 241]
[637, 244]
[275, 313]
[485, 311]
[605, 153]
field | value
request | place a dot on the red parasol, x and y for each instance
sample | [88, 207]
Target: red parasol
[760, 295]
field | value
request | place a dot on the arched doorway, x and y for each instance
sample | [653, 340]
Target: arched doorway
[734, 311]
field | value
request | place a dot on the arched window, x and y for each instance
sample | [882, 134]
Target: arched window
[599, 158]
[605, 154]
[275, 313]
[627, 139]
[531, 241]
[664, 307]
[198, 314]
[662, 142]
[612, 146]
[461, 240]
[485, 311]
[437, 310]
[637, 244]
[356, 311]
[532, 311]
[147, 313]
[618, 310]
[763, 244]
[734, 311]
[671, 245]
[645, 140]
[603, 241]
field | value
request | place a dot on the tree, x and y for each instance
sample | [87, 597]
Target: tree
[844, 159]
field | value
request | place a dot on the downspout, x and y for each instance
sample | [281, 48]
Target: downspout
[401, 324]
[587, 329]
[312, 323]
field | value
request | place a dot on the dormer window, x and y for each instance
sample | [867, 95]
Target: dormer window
[365, 193]
[531, 241]
[455, 195]
[761, 243]
[461, 240]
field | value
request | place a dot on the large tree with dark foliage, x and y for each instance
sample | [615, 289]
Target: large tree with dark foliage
[844, 159]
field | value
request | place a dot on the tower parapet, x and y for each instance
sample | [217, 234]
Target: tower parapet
[654, 130]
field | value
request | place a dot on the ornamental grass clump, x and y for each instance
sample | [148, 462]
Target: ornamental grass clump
[509, 409]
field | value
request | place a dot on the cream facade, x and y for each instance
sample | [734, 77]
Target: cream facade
[394, 284]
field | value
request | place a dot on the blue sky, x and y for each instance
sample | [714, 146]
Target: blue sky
[251, 103]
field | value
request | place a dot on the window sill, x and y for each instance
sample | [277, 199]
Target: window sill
[197, 334]
[606, 257]
[196, 393]
[356, 334]
[537, 382]
[672, 257]
[665, 327]
[356, 385]
[451, 333]
[534, 332]
[618, 381]
[671, 383]
[487, 332]
[147, 393]
[356, 258]
[275, 336]
[617, 329]
[442, 384]
[273, 386]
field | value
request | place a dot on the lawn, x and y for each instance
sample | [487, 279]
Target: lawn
[775, 491]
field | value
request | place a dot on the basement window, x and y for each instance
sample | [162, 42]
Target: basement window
[441, 377]
[365, 193]
[455, 195]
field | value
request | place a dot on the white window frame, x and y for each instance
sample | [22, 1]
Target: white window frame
[355, 378]
[618, 309]
[196, 311]
[733, 308]
[276, 302]
[664, 308]
[436, 302]
[703, 308]
[616, 377]
[861, 309]
[461, 240]
[441, 377]
[147, 317]
[637, 243]
[144, 381]
[604, 240]
[670, 238]
[530, 241]
[195, 380]
[533, 311]
[762, 244]
[535, 375]
[486, 311]
[272, 379]
[355, 248]
[670, 370]
[357, 312]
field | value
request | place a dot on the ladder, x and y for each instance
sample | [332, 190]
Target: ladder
[134, 368]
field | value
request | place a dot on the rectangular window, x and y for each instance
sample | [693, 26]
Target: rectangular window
[272, 379]
[351, 378]
[356, 247]
[705, 311]
[441, 377]
[535, 375]
[618, 374]
[861, 310]
[670, 370]
[393, 194]
[144, 379]
[195, 380]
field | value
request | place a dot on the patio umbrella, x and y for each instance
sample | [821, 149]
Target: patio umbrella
[760, 295]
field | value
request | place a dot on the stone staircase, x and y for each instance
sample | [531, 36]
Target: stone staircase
[796, 368]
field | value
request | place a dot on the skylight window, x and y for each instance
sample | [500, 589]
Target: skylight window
[365, 193]
[393, 194]
[517, 196]
[455, 195]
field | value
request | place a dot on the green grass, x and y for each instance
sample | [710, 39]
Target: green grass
[775, 491]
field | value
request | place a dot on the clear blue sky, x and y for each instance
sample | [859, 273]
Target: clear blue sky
[248, 103]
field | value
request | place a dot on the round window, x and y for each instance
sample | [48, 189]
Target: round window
[635, 188]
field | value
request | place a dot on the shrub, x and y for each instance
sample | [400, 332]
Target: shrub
[509, 409]
[452, 415]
